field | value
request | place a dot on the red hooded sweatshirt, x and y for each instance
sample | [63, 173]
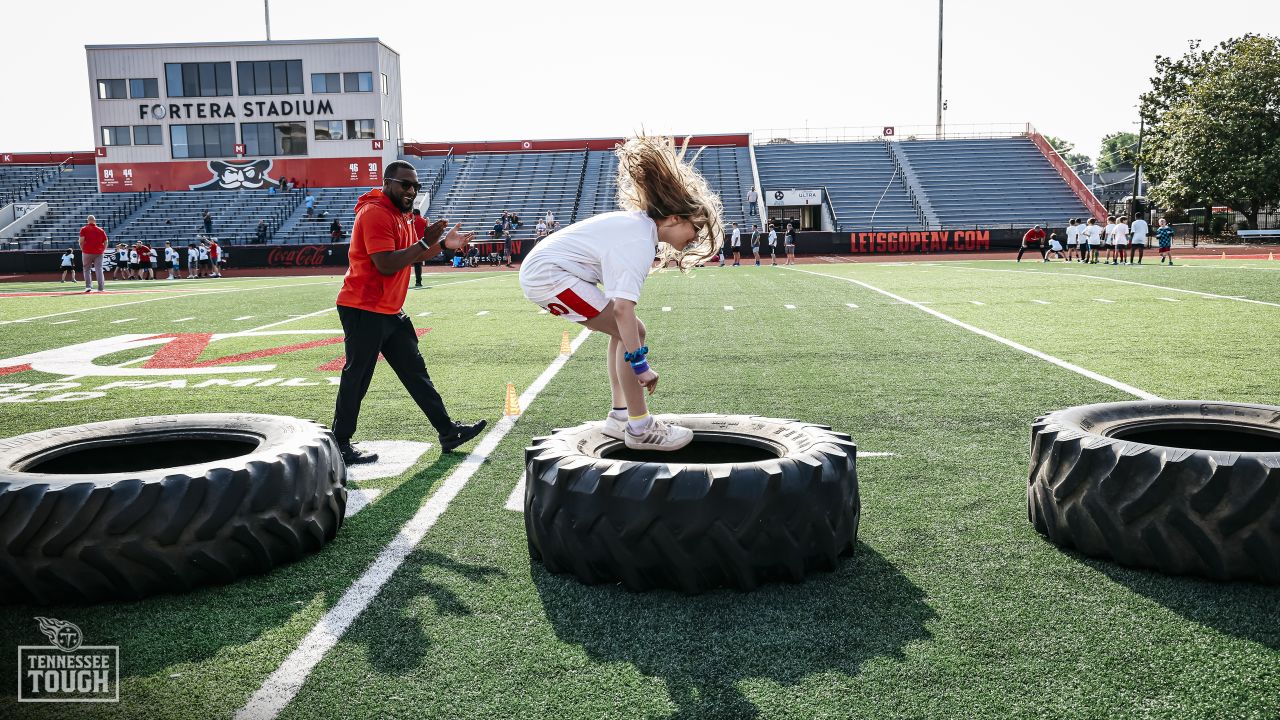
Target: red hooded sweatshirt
[380, 227]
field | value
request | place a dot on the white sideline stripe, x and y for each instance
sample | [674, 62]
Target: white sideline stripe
[1004, 341]
[543, 311]
[1041, 302]
[1169, 299]
[851, 305]
[180, 296]
[482, 312]
[515, 501]
[64, 322]
[977, 302]
[123, 320]
[1104, 300]
[728, 307]
[424, 314]
[184, 319]
[358, 500]
[283, 685]
[789, 307]
[290, 319]
[242, 317]
[666, 308]
[1131, 282]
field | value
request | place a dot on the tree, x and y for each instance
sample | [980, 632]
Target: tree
[1079, 162]
[1119, 152]
[1213, 126]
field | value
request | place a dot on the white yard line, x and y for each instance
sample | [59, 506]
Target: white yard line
[851, 305]
[1104, 300]
[992, 336]
[242, 317]
[976, 302]
[290, 319]
[1168, 299]
[168, 297]
[64, 322]
[283, 685]
[1040, 302]
[789, 307]
[184, 319]
[427, 313]
[482, 312]
[1126, 282]
[122, 320]
[666, 308]
[358, 500]
[728, 307]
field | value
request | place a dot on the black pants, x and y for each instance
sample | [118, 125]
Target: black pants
[417, 273]
[370, 333]
[1042, 249]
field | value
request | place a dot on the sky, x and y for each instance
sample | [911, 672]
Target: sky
[481, 70]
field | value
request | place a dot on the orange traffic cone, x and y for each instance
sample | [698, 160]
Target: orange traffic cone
[1224, 254]
[565, 347]
[1271, 256]
[512, 404]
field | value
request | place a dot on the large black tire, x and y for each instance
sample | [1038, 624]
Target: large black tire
[693, 525]
[1182, 487]
[128, 508]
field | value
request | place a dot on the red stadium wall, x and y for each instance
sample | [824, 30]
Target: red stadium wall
[75, 157]
[515, 146]
[239, 174]
[1068, 175]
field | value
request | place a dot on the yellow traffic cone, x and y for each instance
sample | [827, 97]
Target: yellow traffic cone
[512, 404]
[565, 347]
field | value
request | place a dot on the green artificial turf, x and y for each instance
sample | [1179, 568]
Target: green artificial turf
[952, 605]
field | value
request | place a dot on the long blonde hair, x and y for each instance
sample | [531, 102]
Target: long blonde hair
[655, 179]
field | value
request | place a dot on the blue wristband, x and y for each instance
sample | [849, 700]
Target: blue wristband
[637, 356]
[640, 368]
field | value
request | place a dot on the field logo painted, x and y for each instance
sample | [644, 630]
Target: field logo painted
[67, 670]
[175, 354]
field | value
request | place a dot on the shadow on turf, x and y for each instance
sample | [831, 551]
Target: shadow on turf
[702, 646]
[1240, 609]
[158, 632]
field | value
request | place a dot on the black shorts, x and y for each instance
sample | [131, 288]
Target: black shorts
[134, 265]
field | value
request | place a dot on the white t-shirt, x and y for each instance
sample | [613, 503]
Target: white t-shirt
[67, 259]
[133, 256]
[1110, 232]
[1073, 234]
[773, 237]
[204, 252]
[1055, 245]
[1095, 234]
[615, 249]
[1122, 234]
[170, 255]
[1140, 229]
[736, 239]
[192, 255]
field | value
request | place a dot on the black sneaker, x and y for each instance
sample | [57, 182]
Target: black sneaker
[460, 433]
[353, 456]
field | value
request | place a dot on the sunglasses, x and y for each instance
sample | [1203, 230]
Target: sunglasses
[406, 184]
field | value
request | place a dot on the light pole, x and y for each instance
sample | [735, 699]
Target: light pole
[266, 9]
[938, 130]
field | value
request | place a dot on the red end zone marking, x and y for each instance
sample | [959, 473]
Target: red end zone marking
[185, 348]
[14, 369]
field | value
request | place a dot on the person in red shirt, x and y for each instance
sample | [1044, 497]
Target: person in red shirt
[419, 230]
[144, 262]
[93, 243]
[215, 257]
[1034, 236]
[383, 246]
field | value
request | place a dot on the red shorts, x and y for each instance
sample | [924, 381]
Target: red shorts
[1165, 250]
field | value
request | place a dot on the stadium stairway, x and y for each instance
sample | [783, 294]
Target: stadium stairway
[864, 187]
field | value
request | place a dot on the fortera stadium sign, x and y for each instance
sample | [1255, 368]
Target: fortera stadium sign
[247, 109]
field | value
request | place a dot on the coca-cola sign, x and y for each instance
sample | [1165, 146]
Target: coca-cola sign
[299, 256]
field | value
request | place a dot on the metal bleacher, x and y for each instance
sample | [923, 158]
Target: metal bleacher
[480, 186]
[17, 182]
[991, 181]
[178, 216]
[861, 181]
[72, 198]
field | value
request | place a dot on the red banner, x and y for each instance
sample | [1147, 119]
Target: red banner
[239, 174]
[924, 241]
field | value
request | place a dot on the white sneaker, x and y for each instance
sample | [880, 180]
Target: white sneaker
[613, 427]
[659, 436]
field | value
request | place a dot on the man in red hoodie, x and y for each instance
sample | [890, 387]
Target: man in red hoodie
[384, 245]
[1034, 236]
[93, 242]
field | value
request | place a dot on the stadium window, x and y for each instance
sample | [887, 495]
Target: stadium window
[198, 79]
[202, 141]
[328, 129]
[111, 90]
[357, 82]
[270, 77]
[385, 85]
[115, 134]
[359, 129]
[147, 135]
[386, 129]
[326, 82]
[144, 88]
[274, 138]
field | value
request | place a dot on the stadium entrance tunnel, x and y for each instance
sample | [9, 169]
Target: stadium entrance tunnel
[750, 500]
[1182, 487]
[129, 508]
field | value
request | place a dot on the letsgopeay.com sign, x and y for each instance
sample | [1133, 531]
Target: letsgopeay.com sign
[924, 241]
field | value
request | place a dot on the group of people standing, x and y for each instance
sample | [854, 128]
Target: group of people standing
[1119, 242]
[138, 261]
[771, 241]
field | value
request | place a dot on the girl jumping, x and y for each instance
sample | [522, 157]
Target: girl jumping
[669, 212]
